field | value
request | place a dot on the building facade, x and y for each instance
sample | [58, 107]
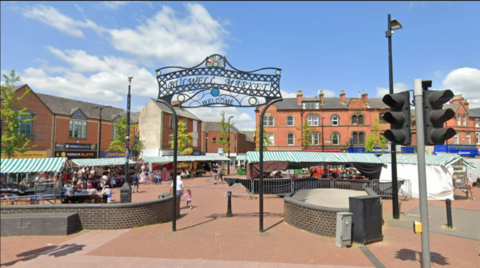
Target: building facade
[347, 122]
[211, 134]
[65, 127]
[156, 124]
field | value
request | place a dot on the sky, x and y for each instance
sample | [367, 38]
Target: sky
[87, 50]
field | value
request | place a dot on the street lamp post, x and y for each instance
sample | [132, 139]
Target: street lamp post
[323, 138]
[100, 108]
[126, 186]
[228, 169]
[393, 25]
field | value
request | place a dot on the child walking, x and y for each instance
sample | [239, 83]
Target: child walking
[188, 194]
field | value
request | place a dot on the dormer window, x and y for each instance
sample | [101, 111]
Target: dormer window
[311, 105]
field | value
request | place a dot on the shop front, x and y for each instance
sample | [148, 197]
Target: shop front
[460, 149]
[75, 150]
[29, 154]
[106, 154]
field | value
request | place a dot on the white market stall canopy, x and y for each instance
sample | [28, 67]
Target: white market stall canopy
[53, 164]
[430, 160]
[101, 161]
[185, 158]
[298, 157]
[241, 157]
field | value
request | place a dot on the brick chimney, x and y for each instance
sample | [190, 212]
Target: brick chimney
[299, 97]
[177, 102]
[457, 99]
[365, 97]
[465, 103]
[321, 96]
[342, 96]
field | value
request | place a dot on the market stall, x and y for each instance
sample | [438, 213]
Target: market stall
[112, 167]
[440, 170]
[37, 179]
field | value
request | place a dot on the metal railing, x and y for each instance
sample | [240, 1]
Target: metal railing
[282, 187]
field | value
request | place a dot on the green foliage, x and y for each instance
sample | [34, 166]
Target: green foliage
[12, 141]
[120, 143]
[306, 137]
[224, 141]
[266, 141]
[184, 139]
[375, 139]
[138, 146]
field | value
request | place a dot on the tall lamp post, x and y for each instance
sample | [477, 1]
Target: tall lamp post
[323, 138]
[393, 25]
[228, 169]
[126, 186]
[100, 128]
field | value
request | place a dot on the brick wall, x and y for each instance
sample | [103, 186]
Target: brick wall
[311, 218]
[108, 216]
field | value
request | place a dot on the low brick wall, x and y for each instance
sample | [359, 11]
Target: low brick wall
[312, 218]
[108, 216]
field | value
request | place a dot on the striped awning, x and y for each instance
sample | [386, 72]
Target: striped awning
[297, 156]
[430, 160]
[95, 162]
[54, 164]
[185, 158]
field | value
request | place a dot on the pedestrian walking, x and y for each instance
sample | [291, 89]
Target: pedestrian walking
[188, 195]
[136, 182]
[218, 175]
[106, 190]
[179, 186]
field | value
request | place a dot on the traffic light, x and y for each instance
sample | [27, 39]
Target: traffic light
[398, 117]
[435, 116]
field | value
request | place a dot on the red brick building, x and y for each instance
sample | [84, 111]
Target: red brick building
[211, 132]
[347, 122]
[66, 127]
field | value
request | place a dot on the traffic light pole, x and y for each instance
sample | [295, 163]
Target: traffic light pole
[422, 178]
[396, 210]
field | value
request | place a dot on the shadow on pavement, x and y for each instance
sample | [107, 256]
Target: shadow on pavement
[56, 251]
[238, 215]
[273, 225]
[411, 255]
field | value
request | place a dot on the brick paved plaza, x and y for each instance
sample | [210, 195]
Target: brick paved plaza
[206, 238]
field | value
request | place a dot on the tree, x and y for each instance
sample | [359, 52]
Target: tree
[13, 117]
[306, 137]
[266, 140]
[120, 143]
[224, 141]
[184, 139]
[375, 139]
[138, 146]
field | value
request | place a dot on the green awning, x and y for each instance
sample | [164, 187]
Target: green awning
[430, 160]
[54, 164]
[297, 156]
[94, 162]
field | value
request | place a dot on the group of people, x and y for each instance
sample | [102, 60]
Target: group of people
[180, 191]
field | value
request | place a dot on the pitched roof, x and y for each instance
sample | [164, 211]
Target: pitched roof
[248, 135]
[59, 105]
[454, 107]
[474, 112]
[134, 116]
[215, 126]
[179, 110]
[332, 103]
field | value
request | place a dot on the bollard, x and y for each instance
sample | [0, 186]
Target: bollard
[449, 213]
[229, 208]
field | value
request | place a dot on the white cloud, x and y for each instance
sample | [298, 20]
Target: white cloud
[397, 87]
[465, 81]
[243, 121]
[138, 108]
[414, 3]
[172, 39]
[79, 8]
[438, 73]
[286, 94]
[328, 93]
[108, 82]
[113, 5]
[54, 18]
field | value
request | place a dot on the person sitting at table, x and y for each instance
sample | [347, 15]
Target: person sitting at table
[80, 185]
[334, 175]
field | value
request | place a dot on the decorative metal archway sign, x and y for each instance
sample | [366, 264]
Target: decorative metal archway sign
[216, 83]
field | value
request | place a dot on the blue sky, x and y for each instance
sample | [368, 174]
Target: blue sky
[86, 50]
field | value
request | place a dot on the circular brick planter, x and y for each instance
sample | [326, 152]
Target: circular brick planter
[108, 216]
[312, 218]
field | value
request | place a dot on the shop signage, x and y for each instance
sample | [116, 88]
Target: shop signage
[407, 150]
[114, 154]
[78, 154]
[29, 154]
[75, 146]
[217, 83]
[462, 150]
[220, 150]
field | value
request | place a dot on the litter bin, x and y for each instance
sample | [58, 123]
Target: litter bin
[366, 219]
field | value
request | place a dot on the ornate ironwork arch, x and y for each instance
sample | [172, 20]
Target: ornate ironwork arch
[219, 84]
